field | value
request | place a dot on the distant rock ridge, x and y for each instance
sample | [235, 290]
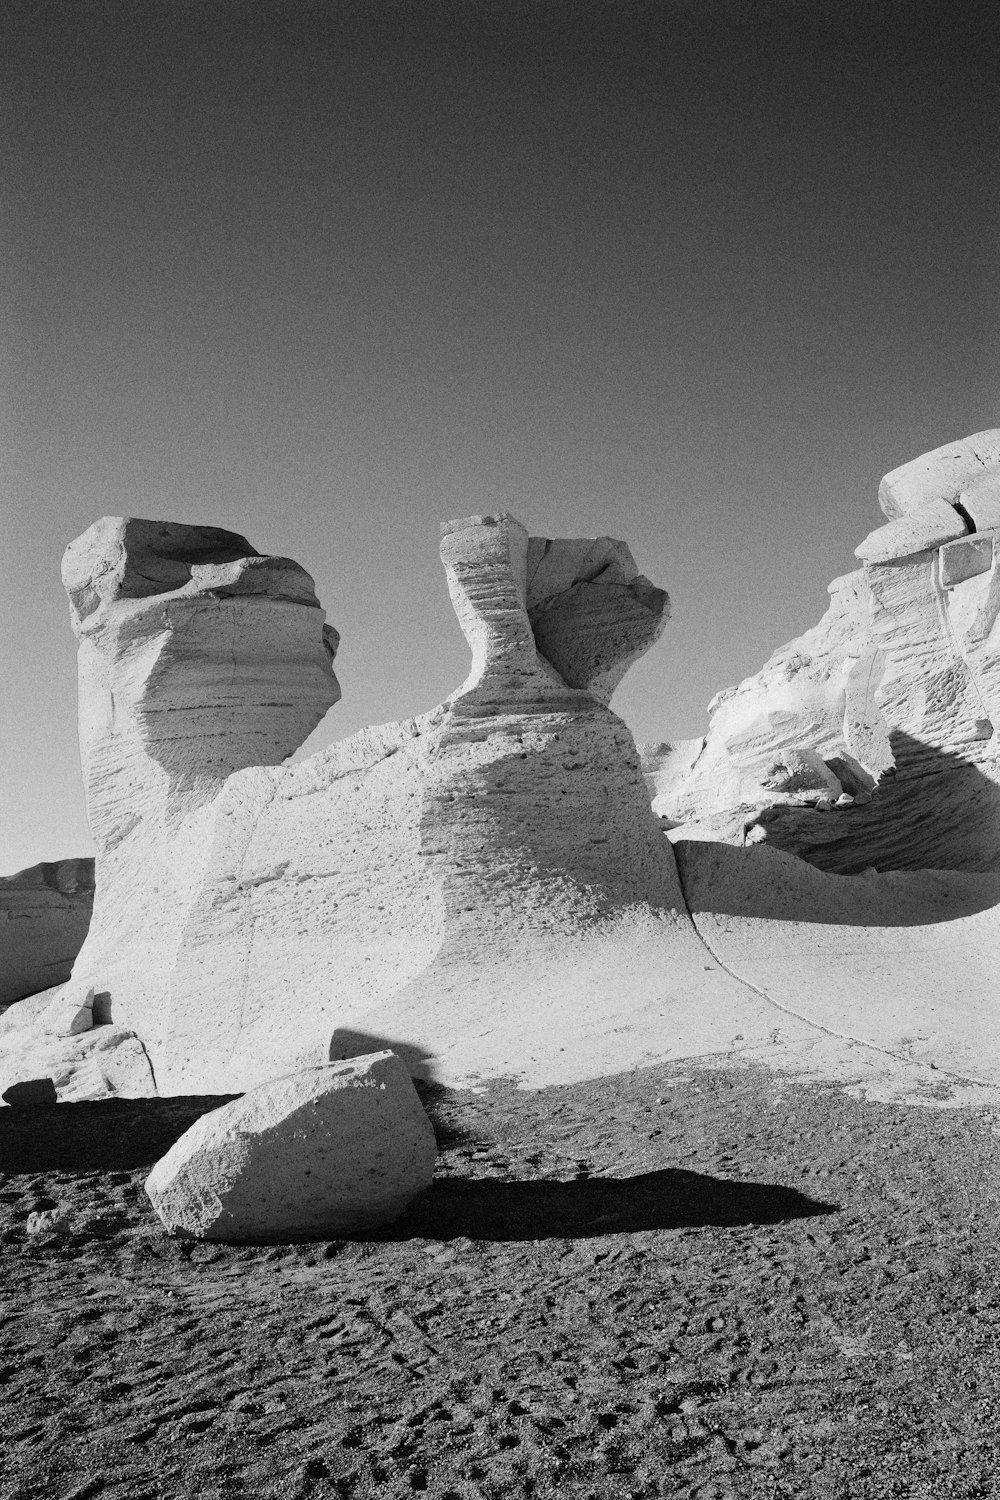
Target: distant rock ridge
[44, 916]
[870, 741]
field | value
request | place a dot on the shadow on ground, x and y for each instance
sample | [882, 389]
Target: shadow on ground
[108, 1135]
[132, 1134]
[492, 1209]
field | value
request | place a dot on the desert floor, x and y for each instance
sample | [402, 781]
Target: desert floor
[679, 1282]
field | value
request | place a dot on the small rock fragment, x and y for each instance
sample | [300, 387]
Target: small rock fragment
[49, 1221]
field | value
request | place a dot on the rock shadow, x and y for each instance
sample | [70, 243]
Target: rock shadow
[106, 1135]
[492, 1209]
[346, 1042]
[925, 849]
[933, 810]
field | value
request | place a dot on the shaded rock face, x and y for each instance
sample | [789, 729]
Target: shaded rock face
[44, 917]
[472, 884]
[869, 742]
[328, 1151]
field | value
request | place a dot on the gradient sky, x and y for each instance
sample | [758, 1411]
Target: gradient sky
[693, 274]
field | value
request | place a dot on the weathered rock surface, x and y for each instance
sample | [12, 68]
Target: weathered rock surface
[485, 889]
[329, 1151]
[197, 656]
[869, 741]
[44, 917]
[483, 886]
[94, 1061]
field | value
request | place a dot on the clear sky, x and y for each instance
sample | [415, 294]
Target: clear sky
[691, 273]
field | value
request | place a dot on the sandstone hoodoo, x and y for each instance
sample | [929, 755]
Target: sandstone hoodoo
[484, 884]
[869, 742]
[328, 1151]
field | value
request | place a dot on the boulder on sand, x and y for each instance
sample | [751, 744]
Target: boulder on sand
[327, 1151]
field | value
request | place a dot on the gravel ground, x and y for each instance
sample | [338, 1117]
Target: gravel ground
[678, 1282]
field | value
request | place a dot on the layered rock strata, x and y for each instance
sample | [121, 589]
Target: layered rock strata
[869, 742]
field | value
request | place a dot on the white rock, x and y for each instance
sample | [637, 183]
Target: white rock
[470, 885]
[794, 707]
[897, 691]
[934, 523]
[102, 1062]
[941, 474]
[49, 1221]
[966, 559]
[980, 498]
[485, 889]
[44, 916]
[328, 1151]
[71, 1012]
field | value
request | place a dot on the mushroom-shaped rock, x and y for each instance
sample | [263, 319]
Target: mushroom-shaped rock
[327, 1151]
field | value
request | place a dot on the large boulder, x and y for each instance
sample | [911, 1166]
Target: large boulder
[44, 917]
[329, 1151]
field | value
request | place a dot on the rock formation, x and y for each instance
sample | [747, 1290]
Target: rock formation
[483, 888]
[44, 916]
[869, 742]
[333, 1150]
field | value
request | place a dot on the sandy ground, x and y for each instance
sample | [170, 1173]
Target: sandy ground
[677, 1282]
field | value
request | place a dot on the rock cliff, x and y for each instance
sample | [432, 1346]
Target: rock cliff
[869, 742]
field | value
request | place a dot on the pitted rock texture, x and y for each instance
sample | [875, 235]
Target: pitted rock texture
[44, 917]
[483, 888]
[892, 699]
[592, 612]
[332, 1150]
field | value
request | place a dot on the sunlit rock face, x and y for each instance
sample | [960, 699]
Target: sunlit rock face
[869, 742]
[197, 656]
[482, 887]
